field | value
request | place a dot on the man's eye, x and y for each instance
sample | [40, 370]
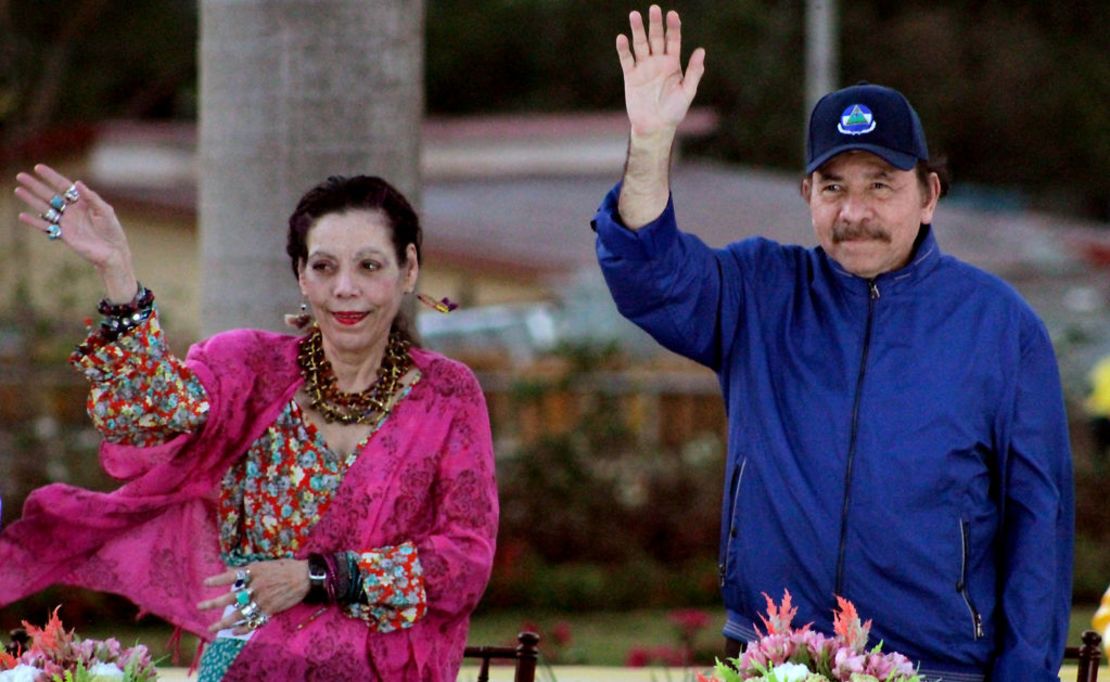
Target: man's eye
[319, 267]
[371, 265]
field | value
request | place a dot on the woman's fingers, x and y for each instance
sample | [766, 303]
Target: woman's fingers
[56, 180]
[36, 187]
[33, 201]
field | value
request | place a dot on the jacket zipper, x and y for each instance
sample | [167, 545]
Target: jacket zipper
[873, 295]
[722, 565]
[961, 586]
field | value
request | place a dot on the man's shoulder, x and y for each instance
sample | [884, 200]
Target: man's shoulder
[763, 248]
[975, 283]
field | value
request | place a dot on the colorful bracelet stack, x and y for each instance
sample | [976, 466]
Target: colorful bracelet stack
[120, 318]
[333, 579]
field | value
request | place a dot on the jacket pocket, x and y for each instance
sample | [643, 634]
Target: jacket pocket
[731, 529]
[962, 586]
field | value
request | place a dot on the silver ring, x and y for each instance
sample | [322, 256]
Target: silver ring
[242, 579]
[53, 231]
[250, 610]
[71, 194]
[52, 215]
[58, 203]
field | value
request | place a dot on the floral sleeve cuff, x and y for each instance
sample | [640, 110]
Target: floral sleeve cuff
[392, 594]
[141, 393]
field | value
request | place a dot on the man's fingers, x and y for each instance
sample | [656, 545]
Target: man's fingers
[625, 54]
[655, 29]
[640, 46]
[694, 71]
[674, 34]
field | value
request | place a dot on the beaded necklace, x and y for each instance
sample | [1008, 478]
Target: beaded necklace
[365, 407]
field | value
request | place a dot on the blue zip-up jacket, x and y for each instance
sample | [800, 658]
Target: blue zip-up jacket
[901, 442]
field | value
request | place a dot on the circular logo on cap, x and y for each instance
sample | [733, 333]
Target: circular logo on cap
[856, 120]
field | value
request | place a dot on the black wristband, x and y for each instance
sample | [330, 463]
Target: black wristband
[317, 580]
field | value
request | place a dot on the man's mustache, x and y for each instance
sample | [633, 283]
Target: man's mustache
[848, 233]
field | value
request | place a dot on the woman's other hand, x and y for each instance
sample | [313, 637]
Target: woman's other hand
[273, 585]
[88, 226]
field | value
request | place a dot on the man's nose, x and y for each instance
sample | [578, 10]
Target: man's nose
[854, 209]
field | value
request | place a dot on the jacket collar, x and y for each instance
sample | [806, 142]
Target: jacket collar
[925, 256]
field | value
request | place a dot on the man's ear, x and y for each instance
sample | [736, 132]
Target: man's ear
[930, 198]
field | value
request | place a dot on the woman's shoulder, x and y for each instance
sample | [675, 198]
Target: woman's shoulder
[246, 348]
[445, 375]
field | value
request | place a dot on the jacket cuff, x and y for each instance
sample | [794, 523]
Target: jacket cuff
[614, 239]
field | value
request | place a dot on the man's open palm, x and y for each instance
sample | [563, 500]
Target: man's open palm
[656, 93]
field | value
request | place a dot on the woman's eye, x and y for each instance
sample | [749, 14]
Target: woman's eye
[319, 267]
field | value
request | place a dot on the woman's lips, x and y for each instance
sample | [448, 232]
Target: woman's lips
[348, 318]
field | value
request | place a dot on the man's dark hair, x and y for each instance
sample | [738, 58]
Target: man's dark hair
[938, 165]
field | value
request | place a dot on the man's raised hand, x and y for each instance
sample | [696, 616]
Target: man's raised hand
[656, 92]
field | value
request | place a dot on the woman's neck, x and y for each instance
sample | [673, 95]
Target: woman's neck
[355, 369]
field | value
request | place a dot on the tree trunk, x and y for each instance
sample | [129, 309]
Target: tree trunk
[290, 93]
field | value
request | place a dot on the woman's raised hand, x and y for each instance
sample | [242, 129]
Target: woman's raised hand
[656, 93]
[88, 225]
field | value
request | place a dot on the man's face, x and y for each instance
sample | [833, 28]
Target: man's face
[867, 213]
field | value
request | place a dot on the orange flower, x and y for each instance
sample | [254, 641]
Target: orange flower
[7, 661]
[847, 625]
[779, 617]
[52, 639]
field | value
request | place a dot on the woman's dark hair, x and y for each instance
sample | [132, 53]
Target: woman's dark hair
[339, 194]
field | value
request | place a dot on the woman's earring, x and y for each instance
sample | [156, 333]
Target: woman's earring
[299, 321]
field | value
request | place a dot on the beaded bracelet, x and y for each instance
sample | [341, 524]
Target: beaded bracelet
[142, 299]
[120, 318]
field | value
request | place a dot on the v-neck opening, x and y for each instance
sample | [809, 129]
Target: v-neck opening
[317, 436]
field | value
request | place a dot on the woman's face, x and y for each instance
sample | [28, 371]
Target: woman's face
[353, 281]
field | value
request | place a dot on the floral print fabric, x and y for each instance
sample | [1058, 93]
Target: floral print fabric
[269, 501]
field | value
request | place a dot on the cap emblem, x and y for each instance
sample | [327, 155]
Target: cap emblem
[856, 120]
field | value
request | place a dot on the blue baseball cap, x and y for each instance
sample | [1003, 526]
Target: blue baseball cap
[867, 117]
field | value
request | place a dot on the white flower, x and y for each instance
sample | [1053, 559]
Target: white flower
[790, 672]
[105, 672]
[20, 673]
